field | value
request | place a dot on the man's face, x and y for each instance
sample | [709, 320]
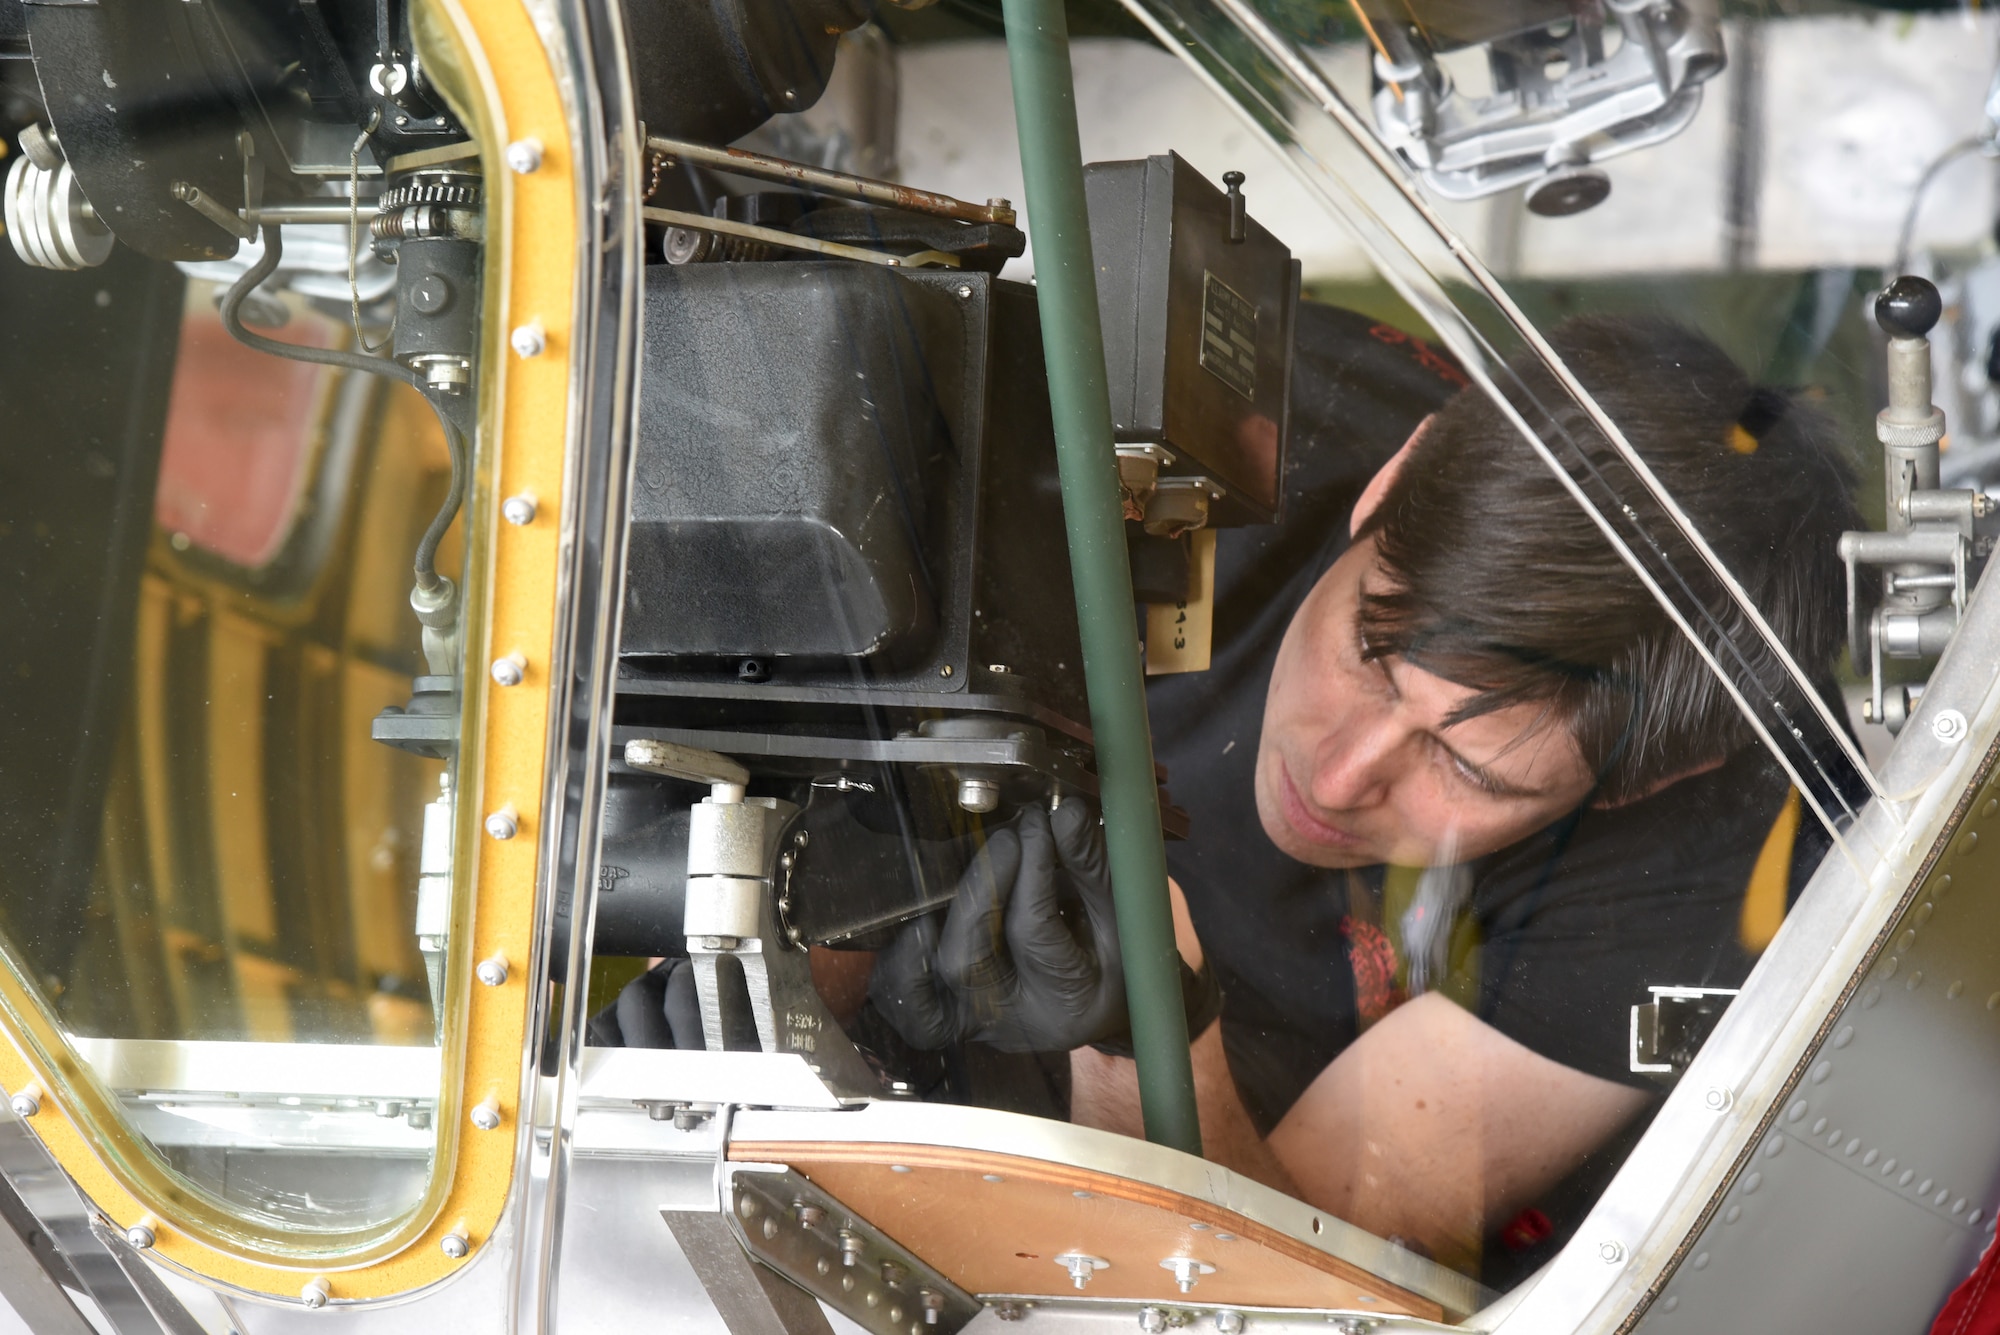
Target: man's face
[1356, 766]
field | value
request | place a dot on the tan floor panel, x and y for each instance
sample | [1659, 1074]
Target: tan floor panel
[1002, 1236]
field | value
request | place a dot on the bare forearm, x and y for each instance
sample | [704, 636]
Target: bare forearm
[1105, 1094]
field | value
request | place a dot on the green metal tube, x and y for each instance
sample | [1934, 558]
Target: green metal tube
[1094, 514]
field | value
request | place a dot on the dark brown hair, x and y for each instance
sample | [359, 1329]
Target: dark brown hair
[1491, 576]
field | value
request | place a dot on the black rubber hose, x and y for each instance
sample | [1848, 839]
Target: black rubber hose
[232, 320]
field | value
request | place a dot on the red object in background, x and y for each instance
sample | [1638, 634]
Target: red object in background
[1974, 1306]
[1526, 1229]
[239, 440]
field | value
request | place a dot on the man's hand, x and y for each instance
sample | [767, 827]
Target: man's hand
[1006, 967]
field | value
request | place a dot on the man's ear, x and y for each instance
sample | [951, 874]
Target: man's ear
[1663, 784]
[1385, 476]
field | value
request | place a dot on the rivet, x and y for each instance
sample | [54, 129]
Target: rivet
[315, 1294]
[1916, 981]
[1821, 1072]
[1957, 988]
[1958, 1206]
[991, 1177]
[1833, 1137]
[1970, 842]
[1944, 1194]
[899, 1168]
[1909, 939]
[823, 1266]
[1083, 1195]
[1924, 1187]
[1732, 1214]
[511, 670]
[518, 510]
[1992, 805]
[1774, 1147]
[525, 155]
[1870, 997]
[504, 823]
[1671, 1303]
[895, 1316]
[1701, 1261]
[487, 1115]
[1868, 1159]
[1943, 886]
[1752, 1182]
[140, 1236]
[492, 970]
[1993, 1002]
[1974, 1217]
[1844, 1037]
[1852, 1146]
[455, 1246]
[1904, 1180]
[529, 340]
[1888, 969]
[1225, 1237]
[770, 1228]
[1888, 1166]
[1819, 1126]
[1798, 1110]
[1923, 913]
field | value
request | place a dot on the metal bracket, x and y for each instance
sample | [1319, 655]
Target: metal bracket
[808, 1236]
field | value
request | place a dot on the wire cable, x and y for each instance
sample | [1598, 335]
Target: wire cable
[1907, 232]
[232, 320]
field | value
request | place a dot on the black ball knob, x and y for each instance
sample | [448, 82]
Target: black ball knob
[1908, 307]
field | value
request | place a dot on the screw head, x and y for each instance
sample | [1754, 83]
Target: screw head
[315, 1294]
[524, 156]
[528, 340]
[1228, 1323]
[1610, 1252]
[455, 1246]
[1949, 726]
[25, 1104]
[487, 1116]
[1718, 1099]
[510, 671]
[430, 294]
[978, 795]
[1152, 1320]
[492, 971]
[502, 825]
[965, 291]
[140, 1236]
[518, 510]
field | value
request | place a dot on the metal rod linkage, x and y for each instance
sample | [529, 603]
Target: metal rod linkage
[841, 184]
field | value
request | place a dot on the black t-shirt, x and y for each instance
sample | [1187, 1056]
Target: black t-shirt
[1551, 941]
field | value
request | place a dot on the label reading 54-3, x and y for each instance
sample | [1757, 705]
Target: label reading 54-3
[1228, 336]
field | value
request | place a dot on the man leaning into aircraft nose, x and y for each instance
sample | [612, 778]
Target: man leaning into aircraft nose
[1460, 791]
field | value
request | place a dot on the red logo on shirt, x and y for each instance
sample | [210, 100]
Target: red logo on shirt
[1373, 959]
[1426, 356]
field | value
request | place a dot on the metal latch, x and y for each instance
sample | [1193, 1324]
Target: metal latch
[1668, 1030]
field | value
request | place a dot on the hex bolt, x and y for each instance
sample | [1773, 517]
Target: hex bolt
[518, 510]
[687, 1119]
[1228, 1323]
[893, 1274]
[1187, 1271]
[492, 970]
[511, 670]
[455, 1246]
[529, 340]
[487, 1115]
[504, 824]
[1010, 1311]
[1718, 1099]
[388, 1107]
[978, 795]
[809, 1216]
[1081, 1266]
[315, 1294]
[525, 155]
[1610, 1252]
[1949, 726]
[933, 1303]
[851, 1247]
[140, 1236]
[1152, 1320]
[28, 1102]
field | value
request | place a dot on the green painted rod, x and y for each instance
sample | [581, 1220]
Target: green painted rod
[1094, 514]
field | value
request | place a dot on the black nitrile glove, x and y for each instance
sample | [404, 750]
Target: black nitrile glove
[1005, 965]
[659, 1009]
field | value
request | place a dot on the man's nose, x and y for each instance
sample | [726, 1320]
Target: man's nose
[1354, 770]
